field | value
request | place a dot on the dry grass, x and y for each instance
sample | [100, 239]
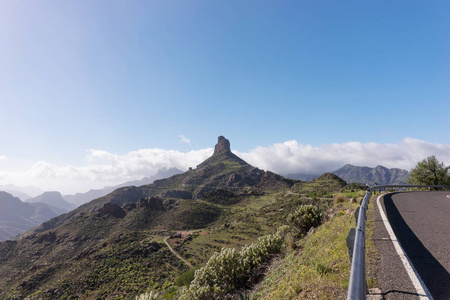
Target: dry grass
[290, 243]
[339, 198]
[318, 270]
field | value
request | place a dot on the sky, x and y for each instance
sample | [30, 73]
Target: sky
[94, 93]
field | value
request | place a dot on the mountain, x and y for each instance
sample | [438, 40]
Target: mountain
[17, 216]
[22, 196]
[112, 247]
[23, 192]
[325, 183]
[365, 175]
[54, 199]
[81, 198]
[302, 176]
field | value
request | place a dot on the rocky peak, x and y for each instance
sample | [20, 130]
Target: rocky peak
[222, 145]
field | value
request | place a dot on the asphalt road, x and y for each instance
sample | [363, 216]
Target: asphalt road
[421, 222]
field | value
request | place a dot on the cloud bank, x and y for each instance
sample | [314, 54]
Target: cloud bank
[105, 168]
[291, 157]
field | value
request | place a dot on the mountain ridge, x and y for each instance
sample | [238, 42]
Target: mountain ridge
[379, 175]
[17, 216]
[53, 198]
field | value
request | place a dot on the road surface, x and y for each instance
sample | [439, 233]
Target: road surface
[421, 223]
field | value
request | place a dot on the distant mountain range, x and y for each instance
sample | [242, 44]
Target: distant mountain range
[54, 199]
[365, 175]
[81, 198]
[20, 212]
[22, 192]
[17, 216]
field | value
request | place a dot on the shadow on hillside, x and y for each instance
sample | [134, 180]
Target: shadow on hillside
[434, 275]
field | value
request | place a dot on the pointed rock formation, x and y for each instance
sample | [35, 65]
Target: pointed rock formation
[222, 145]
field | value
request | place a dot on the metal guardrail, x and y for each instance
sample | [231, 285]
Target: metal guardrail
[356, 241]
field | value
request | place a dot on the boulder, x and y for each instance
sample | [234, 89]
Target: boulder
[152, 202]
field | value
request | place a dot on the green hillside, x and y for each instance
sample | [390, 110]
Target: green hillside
[114, 247]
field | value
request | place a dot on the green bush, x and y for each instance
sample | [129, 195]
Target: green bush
[224, 270]
[153, 295]
[185, 278]
[305, 217]
[258, 253]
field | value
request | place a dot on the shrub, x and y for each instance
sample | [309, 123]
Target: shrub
[153, 295]
[185, 278]
[305, 217]
[259, 252]
[224, 270]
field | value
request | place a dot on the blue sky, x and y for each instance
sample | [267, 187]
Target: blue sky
[119, 76]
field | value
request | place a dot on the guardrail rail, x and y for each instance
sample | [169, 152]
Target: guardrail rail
[356, 242]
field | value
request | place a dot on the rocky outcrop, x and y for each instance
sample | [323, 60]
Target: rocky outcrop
[125, 195]
[152, 203]
[129, 206]
[251, 178]
[113, 210]
[48, 237]
[222, 145]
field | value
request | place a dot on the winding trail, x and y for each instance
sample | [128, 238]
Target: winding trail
[176, 253]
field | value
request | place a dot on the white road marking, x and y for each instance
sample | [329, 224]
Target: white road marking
[448, 196]
[418, 283]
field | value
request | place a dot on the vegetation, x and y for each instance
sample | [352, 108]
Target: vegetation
[305, 217]
[224, 271]
[430, 172]
[319, 269]
[226, 233]
[321, 186]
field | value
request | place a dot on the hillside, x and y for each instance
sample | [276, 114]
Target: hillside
[370, 176]
[17, 216]
[112, 247]
[324, 184]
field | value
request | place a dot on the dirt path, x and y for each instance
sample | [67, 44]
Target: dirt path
[176, 253]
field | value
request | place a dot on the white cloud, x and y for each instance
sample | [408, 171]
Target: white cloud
[184, 140]
[2, 157]
[105, 168]
[109, 167]
[291, 157]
